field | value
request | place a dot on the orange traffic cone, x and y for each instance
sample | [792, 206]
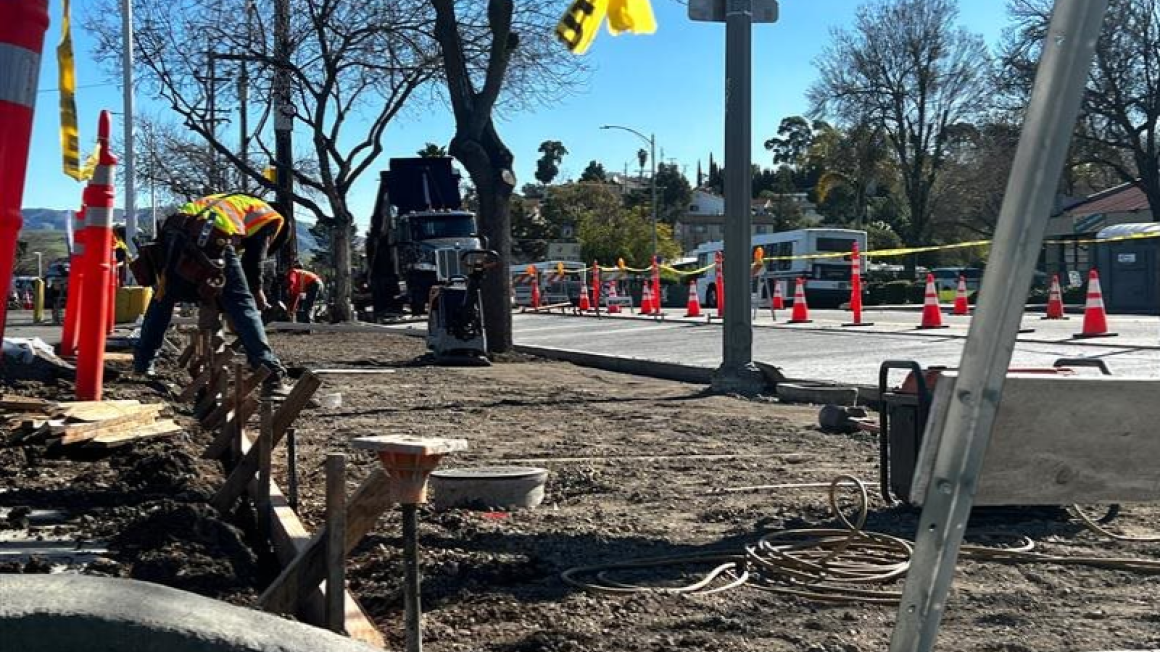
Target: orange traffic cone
[801, 312]
[961, 306]
[646, 300]
[27, 303]
[931, 313]
[1095, 319]
[1055, 300]
[585, 302]
[613, 306]
[778, 296]
[856, 288]
[694, 307]
[535, 293]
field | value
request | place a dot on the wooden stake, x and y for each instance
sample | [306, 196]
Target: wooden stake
[265, 452]
[244, 384]
[241, 475]
[308, 569]
[336, 542]
[228, 403]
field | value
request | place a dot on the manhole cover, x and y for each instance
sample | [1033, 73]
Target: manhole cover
[489, 473]
[489, 487]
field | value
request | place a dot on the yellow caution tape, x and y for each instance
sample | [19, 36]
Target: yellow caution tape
[67, 81]
[881, 253]
[634, 16]
[1117, 238]
[578, 26]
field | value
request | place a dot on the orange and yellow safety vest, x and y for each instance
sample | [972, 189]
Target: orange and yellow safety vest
[235, 214]
[300, 280]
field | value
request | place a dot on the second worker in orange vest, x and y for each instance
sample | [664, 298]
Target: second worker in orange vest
[213, 250]
[304, 287]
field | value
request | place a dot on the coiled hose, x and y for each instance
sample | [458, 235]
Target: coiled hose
[842, 565]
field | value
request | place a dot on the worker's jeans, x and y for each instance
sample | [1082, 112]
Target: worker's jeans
[306, 306]
[236, 300]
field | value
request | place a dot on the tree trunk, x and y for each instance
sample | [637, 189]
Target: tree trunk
[340, 239]
[486, 160]
[1150, 182]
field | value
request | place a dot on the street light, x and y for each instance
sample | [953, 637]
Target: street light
[652, 143]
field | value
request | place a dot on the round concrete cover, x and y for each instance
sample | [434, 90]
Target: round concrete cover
[489, 487]
[490, 473]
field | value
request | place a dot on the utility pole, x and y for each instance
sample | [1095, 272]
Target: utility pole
[244, 100]
[737, 372]
[283, 126]
[127, 108]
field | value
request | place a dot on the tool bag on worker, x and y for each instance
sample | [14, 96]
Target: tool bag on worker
[148, 264]
[200, 261]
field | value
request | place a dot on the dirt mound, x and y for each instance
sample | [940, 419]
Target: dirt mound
[188, 546]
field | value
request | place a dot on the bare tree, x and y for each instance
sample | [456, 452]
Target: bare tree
[354, 65]
[1119, 125]
[906, 68]
[494, 55]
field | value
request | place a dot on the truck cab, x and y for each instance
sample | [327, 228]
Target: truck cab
[418, 232]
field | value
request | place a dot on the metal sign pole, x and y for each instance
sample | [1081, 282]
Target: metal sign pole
[1049, 122]
[737, 372]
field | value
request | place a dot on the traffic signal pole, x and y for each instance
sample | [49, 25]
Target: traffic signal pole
[737, 373]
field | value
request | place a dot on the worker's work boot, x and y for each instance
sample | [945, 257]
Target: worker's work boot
[276, 387]
[147, 370]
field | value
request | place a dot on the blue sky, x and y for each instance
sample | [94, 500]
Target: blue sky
[670, 83]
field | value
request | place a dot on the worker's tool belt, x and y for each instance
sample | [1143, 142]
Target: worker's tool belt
[148, 264]
[201, 260]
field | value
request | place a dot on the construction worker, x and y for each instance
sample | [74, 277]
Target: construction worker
[303, 288]
[212, 251]
[121, 253]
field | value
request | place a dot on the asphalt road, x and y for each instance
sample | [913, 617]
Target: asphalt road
[824, 350]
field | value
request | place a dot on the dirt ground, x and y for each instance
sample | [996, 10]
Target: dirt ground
[635, 465]
[645, 488]
[145, 503]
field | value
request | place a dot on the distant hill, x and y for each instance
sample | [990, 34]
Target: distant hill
[50, 219]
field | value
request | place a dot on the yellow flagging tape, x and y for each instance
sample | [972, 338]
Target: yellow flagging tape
[881, 253]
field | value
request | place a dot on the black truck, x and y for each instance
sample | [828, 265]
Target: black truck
[418, 232]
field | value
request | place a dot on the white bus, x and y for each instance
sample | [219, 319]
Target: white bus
[827, 279]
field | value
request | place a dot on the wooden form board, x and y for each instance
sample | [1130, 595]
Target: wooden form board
[1060, 440]
[290, 538]
[308, 568]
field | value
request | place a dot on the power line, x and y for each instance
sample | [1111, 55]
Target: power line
[57, 90]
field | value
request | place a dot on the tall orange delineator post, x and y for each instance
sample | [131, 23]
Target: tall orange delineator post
[98, 268]
[720, 282]
[111, 322]
[596, 286]
[856, 288]
[22, 27]
[76, 274]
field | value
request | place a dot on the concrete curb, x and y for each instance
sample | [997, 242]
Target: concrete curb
[639, 366]
[52, 613]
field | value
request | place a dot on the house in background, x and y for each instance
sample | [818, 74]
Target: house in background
[705, 219]
[1083, 220]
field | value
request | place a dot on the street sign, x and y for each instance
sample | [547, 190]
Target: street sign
[714, 11]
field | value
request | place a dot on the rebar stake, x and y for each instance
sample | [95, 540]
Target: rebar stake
[409, 461]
